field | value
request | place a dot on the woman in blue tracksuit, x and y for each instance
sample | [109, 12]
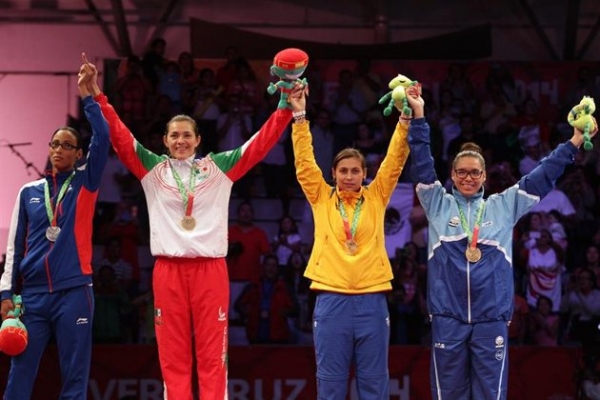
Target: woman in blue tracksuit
[469, 273]
[49, 256]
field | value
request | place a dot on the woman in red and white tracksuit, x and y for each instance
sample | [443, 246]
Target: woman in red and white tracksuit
[188, 203]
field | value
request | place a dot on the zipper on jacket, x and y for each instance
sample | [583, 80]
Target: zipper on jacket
[468, 266]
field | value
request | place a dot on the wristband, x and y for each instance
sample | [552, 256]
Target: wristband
[299, 114]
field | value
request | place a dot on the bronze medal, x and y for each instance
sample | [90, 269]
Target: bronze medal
[188, 223]
[52, 233]
[473, 254]
[351, 246]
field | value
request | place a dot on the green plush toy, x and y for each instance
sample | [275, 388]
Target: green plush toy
[581, 118]
[398, 87]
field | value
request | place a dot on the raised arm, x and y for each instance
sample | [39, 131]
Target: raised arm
[132, 154]
[308, 172]
[543, 178]
[387, 176]
[237, 162]
[422, 166]
[97, 155]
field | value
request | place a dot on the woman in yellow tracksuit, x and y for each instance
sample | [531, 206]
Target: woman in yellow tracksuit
[349, 266]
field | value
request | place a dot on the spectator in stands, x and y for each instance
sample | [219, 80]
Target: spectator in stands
[545, 263]
[121, 269]
[349, 267]
[265, 306]
[188, 206]
[114, 177]
[190, 77]
[407, 300]
[133, 91]
[532, 157]
[233, 129]
[206, 109]
[457, 81]
[126, 227]
[556, 228]
[247, 243]
[293, 275]
[170, 83]
[228, 71]
[365, 140]
[112, 305]
[347, 107]
[470, 276]
[245, 87]
[287, 241]
[543, 323]
[469, 132]
[581, 308]
[154, 61]
[322, 134]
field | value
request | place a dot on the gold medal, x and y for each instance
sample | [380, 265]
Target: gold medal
[351, 246]
[188, 223]
[473, 254]
[52, 233]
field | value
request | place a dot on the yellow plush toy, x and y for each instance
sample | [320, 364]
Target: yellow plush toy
[398, 87]
[581, 118]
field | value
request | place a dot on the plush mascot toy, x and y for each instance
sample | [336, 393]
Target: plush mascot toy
[398, 87]
[288, 66]
[580, 117]
[13, 334]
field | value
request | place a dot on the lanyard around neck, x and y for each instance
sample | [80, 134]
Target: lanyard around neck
[187, 195]
[51, 211]
[472, 236]
[350, 229]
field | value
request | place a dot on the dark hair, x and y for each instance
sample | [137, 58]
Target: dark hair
[546, 298]
[183, 118]
[294, 226]
[469, 149]
[78, 137]
[244, 203]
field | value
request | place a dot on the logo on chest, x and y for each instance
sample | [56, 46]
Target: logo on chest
[454, 221]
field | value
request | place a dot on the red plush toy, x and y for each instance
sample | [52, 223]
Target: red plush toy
[13, 334]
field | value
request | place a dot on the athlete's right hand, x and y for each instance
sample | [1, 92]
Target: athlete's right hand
[7, 305]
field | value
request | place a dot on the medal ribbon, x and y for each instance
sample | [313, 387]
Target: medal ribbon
[50, 211]
[350, 230]
[186, 195]
[472, 236]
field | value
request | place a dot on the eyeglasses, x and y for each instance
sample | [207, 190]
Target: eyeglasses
[65, 145]
[474, 173]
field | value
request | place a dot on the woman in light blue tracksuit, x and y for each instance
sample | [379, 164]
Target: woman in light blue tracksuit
[470, 277]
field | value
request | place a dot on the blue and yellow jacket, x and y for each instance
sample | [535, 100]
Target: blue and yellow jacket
[330, 267]
[41, 266]
[481, 291]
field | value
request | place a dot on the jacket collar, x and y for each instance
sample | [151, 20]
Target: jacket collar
[462, 199]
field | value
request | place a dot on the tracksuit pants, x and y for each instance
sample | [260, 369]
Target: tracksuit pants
[191, 301]
[468, 361]
[352, 329]
[68, 314]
